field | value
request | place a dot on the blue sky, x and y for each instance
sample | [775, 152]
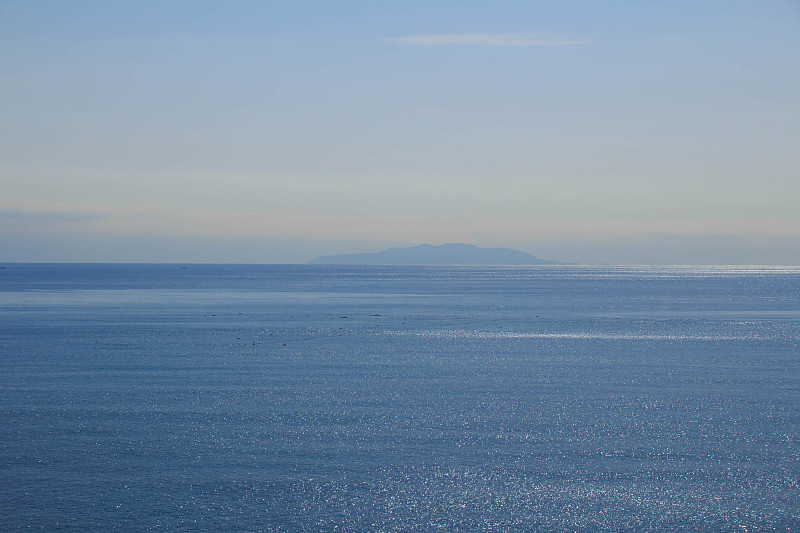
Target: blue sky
[619, 132]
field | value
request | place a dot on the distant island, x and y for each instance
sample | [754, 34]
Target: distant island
[445, 254]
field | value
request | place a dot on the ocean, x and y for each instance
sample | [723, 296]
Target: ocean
[288, 398]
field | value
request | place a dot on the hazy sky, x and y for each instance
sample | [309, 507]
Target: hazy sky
[614, 131]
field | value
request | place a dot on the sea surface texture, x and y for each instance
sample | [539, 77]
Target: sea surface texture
[322, 398]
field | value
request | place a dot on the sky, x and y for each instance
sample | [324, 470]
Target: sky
[614, 132]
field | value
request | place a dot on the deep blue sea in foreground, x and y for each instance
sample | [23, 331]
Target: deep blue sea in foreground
[289, 398]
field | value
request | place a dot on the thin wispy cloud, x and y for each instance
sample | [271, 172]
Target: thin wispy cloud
[487, 39]
[54, 216]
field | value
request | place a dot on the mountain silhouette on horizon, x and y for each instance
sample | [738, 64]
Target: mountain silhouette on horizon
[445, 254]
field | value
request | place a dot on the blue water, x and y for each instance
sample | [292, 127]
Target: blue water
[318, 398]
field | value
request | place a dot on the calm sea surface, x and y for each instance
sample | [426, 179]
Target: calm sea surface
[319, 398]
